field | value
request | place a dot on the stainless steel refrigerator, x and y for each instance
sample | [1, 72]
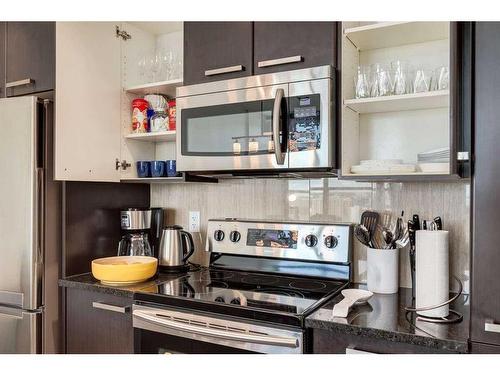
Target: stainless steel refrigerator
[30, 228]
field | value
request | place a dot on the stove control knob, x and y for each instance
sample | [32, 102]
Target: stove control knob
[218, 235]
[331, 242]
[236, 301]
[235, 236]
[311, 240]
[219, 299]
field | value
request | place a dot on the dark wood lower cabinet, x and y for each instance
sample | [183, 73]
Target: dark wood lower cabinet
[99, 329]
[477, 348]
[328, 342]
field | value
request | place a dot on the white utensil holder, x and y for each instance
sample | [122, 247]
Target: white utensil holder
[382, 270]
[432, 272]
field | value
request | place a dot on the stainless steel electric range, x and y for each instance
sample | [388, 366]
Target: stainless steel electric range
[264, 278]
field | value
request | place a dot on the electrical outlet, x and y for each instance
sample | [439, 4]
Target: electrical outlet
[194, 221]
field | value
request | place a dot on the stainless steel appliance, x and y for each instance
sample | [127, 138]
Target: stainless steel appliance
[141, 231]
[264, 278]
[30, 224]
[280, 123]
[176, 246]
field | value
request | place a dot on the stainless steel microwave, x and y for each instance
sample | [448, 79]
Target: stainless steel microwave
[280, 123]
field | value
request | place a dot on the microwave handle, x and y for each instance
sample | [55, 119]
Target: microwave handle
[277, 126]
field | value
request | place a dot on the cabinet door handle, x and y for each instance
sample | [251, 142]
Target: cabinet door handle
[489, 326]
[22, 82]
[227, 69]
[284, 60]
[108, 307]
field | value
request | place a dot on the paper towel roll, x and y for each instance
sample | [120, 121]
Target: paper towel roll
[432, 272]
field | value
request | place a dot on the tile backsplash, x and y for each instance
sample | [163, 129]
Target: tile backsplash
[329, 200]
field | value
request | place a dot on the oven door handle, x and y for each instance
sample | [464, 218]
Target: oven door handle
[152, 317]
[277, 126]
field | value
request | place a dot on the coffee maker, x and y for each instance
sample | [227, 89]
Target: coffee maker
[141, 231]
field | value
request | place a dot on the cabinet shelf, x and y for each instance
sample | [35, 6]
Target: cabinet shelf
[395, 103]
[166, 136]
[163, 87]
[392, 34]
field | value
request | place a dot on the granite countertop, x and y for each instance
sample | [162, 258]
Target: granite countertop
[384, 317]
[86, 281]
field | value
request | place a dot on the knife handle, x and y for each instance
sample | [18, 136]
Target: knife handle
[439, 223]
[416, 222]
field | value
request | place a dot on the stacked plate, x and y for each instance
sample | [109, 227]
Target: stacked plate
[434, 161]
[386, 166]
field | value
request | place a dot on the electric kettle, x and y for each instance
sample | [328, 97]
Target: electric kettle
[176, 246]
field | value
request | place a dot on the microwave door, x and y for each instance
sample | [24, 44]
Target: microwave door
[233, 131]
[311, 137]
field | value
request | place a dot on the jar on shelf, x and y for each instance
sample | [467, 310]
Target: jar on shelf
[159, 121]
[171, 114]
[139, 116]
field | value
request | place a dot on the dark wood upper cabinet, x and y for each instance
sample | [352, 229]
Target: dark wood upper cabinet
[98, 323]
[30, 57]
[2, 59]
[217, 50]
[305, 44]
[485, 285]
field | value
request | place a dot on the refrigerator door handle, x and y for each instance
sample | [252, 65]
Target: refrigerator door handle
[41, 217]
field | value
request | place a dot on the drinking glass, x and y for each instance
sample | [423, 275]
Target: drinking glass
[422, 81]
[400, 77]
[443, 78]
[384, 80]
[361, 83]
[142, 66]
[155, 66]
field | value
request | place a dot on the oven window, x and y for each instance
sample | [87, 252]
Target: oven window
[147, 342]
[228, 130]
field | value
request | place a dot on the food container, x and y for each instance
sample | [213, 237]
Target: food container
[159, 122]
[171, 114]
[140, 116]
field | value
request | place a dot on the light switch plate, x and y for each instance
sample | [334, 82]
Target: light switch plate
[194, 221]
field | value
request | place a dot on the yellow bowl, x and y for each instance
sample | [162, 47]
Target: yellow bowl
[124, 270]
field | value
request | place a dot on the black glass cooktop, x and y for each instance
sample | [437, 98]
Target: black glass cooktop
[275, 293]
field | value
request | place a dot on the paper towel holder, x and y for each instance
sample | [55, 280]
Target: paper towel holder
[457, 317]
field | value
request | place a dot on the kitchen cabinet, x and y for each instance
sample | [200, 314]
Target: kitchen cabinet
[280, 46]
[30, 57]
[98, 75]
[98, 323]
[485, 288]
[330, 342]
[2, 59]
[429, 111]
[217, 50]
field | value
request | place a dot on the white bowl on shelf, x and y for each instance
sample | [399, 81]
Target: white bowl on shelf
[434, 167]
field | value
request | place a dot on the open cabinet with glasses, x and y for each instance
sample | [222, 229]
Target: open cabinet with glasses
[152, 62]
[401, 85]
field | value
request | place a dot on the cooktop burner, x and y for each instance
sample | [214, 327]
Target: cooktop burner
[251, 290]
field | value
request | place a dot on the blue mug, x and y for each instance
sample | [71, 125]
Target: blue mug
[143, 169]
[158, 168]
[171, 169]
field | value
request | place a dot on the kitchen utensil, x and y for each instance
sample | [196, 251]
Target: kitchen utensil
[403, 240]
[123, 270]
[143, 168]
[362, 235]
[411, 235]
[176, 246]
[388, 237]
[439, 223]
[158, 168]
[351, 297]
[416, 222]
[369, 219]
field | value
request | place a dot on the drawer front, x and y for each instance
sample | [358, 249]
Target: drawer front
[98, 323]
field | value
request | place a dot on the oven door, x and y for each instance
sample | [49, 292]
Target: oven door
[237, 130]
[172, 331]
